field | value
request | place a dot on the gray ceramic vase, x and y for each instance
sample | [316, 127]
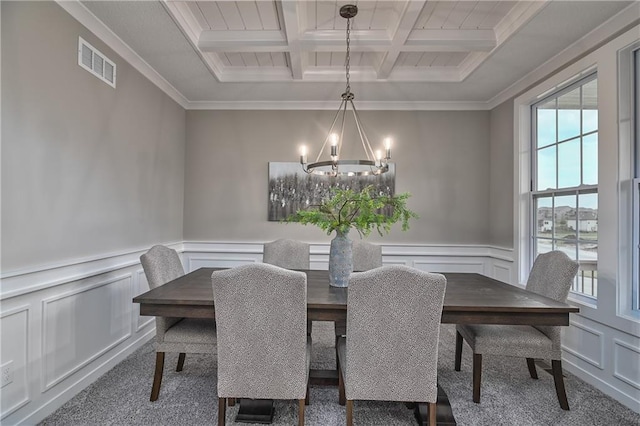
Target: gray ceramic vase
[340, 260]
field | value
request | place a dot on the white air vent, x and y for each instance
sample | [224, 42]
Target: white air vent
[96, 63]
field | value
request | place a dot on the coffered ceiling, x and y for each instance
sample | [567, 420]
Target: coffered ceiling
[251, 53]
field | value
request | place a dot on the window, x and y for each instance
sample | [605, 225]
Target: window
[564, 186]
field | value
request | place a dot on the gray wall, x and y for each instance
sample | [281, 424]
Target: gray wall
[442, 159]
[86, 169]
[501, 177]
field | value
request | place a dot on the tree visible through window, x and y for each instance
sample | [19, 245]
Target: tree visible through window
[564, 185]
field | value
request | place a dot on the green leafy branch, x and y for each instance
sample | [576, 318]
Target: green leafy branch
[361, 210]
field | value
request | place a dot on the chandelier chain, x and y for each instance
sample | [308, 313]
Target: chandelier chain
[348, 58]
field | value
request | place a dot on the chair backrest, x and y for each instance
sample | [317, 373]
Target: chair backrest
[393, 327]
[261, 317]
[289, 254]
[552, 276]
[366, 256]
[161, 265]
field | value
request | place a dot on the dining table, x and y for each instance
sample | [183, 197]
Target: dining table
[470, 298]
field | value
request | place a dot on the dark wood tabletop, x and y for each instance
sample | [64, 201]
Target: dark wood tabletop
[470, 298]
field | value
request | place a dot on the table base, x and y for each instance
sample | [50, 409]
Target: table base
[255, 411]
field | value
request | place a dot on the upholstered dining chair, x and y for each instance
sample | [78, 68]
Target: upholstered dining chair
[263, 348]
[366, 256]
[183, 335]
[390, 352]
[288, 254]
[551, 275]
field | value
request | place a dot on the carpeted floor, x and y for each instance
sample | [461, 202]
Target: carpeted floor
[509, 395]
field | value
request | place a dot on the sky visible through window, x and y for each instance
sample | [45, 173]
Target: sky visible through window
[568, 151]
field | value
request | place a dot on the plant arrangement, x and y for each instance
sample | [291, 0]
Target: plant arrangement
[362, 210]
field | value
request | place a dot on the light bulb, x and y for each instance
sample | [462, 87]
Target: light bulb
[303, 154]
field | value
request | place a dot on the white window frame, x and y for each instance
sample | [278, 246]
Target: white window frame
[558, 192]
[629, 154]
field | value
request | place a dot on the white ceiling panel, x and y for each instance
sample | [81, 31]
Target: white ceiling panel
[401, 51]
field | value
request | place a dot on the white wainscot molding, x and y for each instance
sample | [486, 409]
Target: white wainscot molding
[15, 355]
[491, 261]
[604, 357]
[64, 325]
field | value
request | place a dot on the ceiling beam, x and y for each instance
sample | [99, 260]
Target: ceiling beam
[407, 21]
[291, 12]
[243, 41]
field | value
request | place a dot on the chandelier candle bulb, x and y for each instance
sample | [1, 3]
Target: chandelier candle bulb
[378, 158]
[387, 146]
[303, 154]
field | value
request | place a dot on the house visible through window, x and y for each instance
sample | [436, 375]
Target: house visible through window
[564, 185]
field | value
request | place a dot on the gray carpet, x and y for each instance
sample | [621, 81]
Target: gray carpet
[509, 395]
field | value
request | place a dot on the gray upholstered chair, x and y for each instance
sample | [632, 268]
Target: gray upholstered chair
[391, 357]
[551, 276]
[182, 335]
[263, 347]
[289, 254]
[366, 256]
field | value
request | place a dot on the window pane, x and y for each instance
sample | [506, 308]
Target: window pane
[544, 212]
[590, 159]
[546, 117]
[569, 115]
[590, 106]
[564, 218]
[543, 246]
[588, 218]
[569, 163]
[546, 168]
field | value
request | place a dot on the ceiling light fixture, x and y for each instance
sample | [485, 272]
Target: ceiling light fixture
[375, 164]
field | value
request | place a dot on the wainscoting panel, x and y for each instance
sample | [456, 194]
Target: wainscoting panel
[584, 343]
[64, 325]
[442, 265]
[83, 324]
[15, 355]
[140, 286]
[626, 362]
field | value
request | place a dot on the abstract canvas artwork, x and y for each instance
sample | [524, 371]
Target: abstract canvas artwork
[291, 189]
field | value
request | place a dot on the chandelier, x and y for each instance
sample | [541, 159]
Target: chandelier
[375, 163]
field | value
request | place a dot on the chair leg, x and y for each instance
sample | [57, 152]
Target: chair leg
[477, 375]
[341, 394]
[556, 366]
[306, 397]
[301, 403]
[349, 412]
[231, 402]
[157, 378]
[532, 368]
[432, 413]
[180, 361]
[458, 351]
[222, 411]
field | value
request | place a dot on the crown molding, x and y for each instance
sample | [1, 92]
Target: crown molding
[83, 15]
[332, 105]
[618, 24]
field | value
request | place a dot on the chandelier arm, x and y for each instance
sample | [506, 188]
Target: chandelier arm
[363, 135]
[335, 118]
[344, 114]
